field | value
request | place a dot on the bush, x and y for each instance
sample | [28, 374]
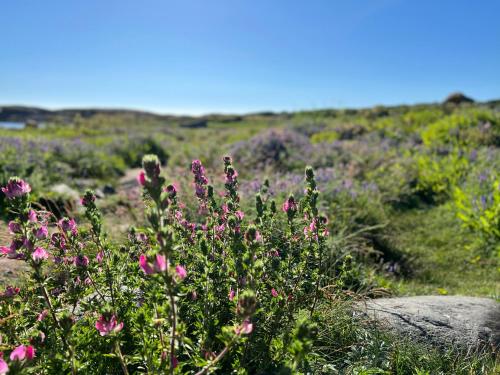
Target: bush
[277, 149]
[473, 128]
[220, 295]
[478, 207]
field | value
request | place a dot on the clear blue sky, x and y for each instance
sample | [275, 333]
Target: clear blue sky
[197, 56]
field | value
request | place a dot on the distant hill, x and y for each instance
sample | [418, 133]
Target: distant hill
[19, 113]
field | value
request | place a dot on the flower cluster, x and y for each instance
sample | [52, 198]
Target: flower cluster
[187, 296]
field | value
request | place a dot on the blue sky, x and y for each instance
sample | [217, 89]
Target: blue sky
[199, 56]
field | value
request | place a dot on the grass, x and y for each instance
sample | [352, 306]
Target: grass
[443, 256]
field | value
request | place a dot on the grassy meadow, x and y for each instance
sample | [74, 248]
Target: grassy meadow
[411, 194]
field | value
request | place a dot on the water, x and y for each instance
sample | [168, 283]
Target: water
[11, 125]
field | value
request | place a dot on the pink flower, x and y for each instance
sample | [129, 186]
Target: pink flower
[231, 294]
[3, 366]
[141, 178]
[274, 293]
[14, 227]
[290, 206]
[16, 188]
[42, 315]
[181, 272]
[99, 257]
[22, 352]
[32, 216]
[239, 215]
[159, 264]
[42, 232]
[39, 254]
[8, 251]
[245, 328]
[145, 266]
[108, 324]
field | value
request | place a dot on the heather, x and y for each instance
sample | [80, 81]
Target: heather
[241, 246]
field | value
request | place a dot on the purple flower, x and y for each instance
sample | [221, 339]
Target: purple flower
[32, 216]
[81, 261]
[39, 254]
[10, 291]
[16, 188]
[14, 227]
[68, 225]
[42, 232]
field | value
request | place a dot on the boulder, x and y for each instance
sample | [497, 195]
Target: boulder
[439, 320]
[457, 98]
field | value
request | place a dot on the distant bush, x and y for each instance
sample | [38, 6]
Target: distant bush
[472, 128]
[438, 175]
[277, 149]
[478, 207]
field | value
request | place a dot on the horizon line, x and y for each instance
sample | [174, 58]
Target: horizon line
[205, 112]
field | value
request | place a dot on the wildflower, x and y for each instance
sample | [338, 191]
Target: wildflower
[10, 291]
[245, 328]
[274, 293]
[181, 272]
[4, 368]
[32, 216]
[68, 225]
[99, 257]
[14, 227]
[28, 244]
[16, 188]
[290, 207]
[240, 215]
[107, 324]
[159, 264]
[88, 198]
[174, 361]
[22, 352]
[151, 165]
[81, 261]
[200, 180]
[42, 315]
[42, 232]
[141, 178]
[8, 251]
[39, 254]
[231, 294]
[171, 190]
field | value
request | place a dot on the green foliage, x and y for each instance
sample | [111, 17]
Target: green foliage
[325, 136]
[437, 175]
[473, 127]
[478, 207]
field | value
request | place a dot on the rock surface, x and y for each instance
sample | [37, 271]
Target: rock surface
[440, 320]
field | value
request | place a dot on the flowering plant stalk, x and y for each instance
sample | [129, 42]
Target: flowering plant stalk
[224, 293]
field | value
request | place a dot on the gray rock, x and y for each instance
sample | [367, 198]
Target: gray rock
[65, 191]
[440, 320]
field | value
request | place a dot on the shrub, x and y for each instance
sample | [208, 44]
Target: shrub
[277, 149]
[475, 127]
[178, 297]
[438, 175]
[478, 207]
